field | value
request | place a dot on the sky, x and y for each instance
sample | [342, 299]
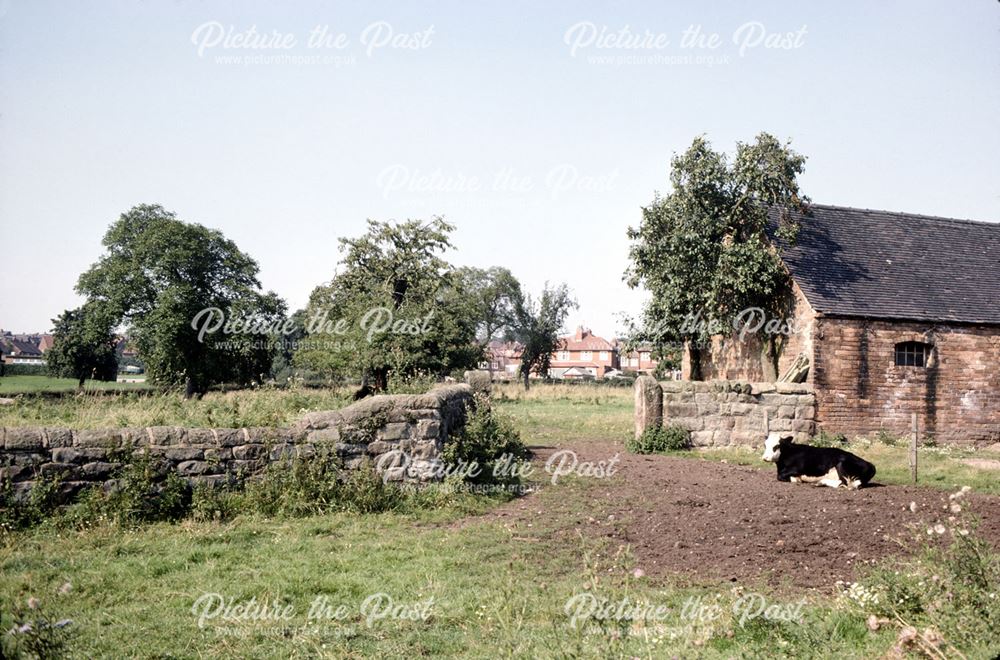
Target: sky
[539, 129]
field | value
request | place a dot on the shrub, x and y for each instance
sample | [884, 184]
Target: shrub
[487, 439]
[25, 370]
[35, 634]
[31, 508]
[659, 439]
[824, 439]
[950, 591]
[886, 438]
[145, 490]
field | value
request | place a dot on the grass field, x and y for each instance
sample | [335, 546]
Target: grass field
[487, 590]
[27, 384]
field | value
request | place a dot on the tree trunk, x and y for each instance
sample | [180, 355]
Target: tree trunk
[769, 359]
[381, 379]
[526, 385]
[189, 387]
[695, 356]
[82, 380]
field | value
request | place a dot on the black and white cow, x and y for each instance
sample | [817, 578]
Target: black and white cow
[823, 466]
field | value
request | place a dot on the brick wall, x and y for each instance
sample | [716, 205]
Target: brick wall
[733, 358]
[410, 429]
[722, 413]
[860, 389]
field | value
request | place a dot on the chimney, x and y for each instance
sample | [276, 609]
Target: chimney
[580, 333]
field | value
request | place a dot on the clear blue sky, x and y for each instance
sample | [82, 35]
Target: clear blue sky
[104, 105]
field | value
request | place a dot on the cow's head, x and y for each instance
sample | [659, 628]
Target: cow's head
[773, 444]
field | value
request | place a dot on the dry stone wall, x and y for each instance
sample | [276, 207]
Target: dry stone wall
[401, 433]
[722, 413]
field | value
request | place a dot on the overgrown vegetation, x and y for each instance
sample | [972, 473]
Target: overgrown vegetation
[489, 442]
[945, 601]
[659, 439]
[257, 407]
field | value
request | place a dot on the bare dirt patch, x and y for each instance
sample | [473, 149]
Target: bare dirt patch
[703, 519]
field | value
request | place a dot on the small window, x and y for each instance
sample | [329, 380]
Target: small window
[912, 354]
[586, 356]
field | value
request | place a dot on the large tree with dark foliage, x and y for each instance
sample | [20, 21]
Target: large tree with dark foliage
[395, 309]
[707, 251]
[159, 274]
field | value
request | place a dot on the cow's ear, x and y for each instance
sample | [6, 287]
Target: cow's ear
[785, 440]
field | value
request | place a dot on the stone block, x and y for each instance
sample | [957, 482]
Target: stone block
[249, 452]
[79, 454]
[108, 438]
[166, 435]
[191, 468]
[98, 470]
[23, 438]
[702, 438]
[686, 423]
[350, 449]
[58, 437]
[60, 470]
[648, 404]
[786, 412]
[204, 437]
[218, 454]
[178, 454]
[428, 428]
[380, 447]
[230, 437]
[396, 431]
[326, 435]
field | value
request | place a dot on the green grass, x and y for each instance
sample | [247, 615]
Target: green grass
[499, 585]
[27, 384]
[549, 414]
[495, 592]
[266, 407]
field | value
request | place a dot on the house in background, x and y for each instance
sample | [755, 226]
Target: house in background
[583, 355]
[20, 351]
[893, 314]
[503, 359]
[640, 360]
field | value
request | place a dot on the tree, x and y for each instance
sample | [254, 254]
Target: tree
[494, 294]
[170, 281]
[395, 308]
[706, 252]
[537, 326]
[84, 345]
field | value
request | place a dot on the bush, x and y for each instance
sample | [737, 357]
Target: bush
[824, 439]
[886, 438]
[145, 490]
[28, 509]
[488, 439]
[658, 439]
[950, 591]
[300, 487]
[25, 370]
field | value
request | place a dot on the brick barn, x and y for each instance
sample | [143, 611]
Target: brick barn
[893, 314]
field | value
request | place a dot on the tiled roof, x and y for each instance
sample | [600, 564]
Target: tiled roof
[880, 264]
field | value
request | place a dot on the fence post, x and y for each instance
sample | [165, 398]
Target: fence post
[913, 449]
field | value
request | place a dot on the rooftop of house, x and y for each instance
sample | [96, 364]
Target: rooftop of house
[584, 340]
[887, 265]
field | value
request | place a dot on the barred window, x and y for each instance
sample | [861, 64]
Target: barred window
[913, 354]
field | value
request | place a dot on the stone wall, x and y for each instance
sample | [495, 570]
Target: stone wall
[722, 413]
[410, 429]
[860, 389]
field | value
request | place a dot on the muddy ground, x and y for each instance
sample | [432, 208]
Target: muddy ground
[703, 519]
